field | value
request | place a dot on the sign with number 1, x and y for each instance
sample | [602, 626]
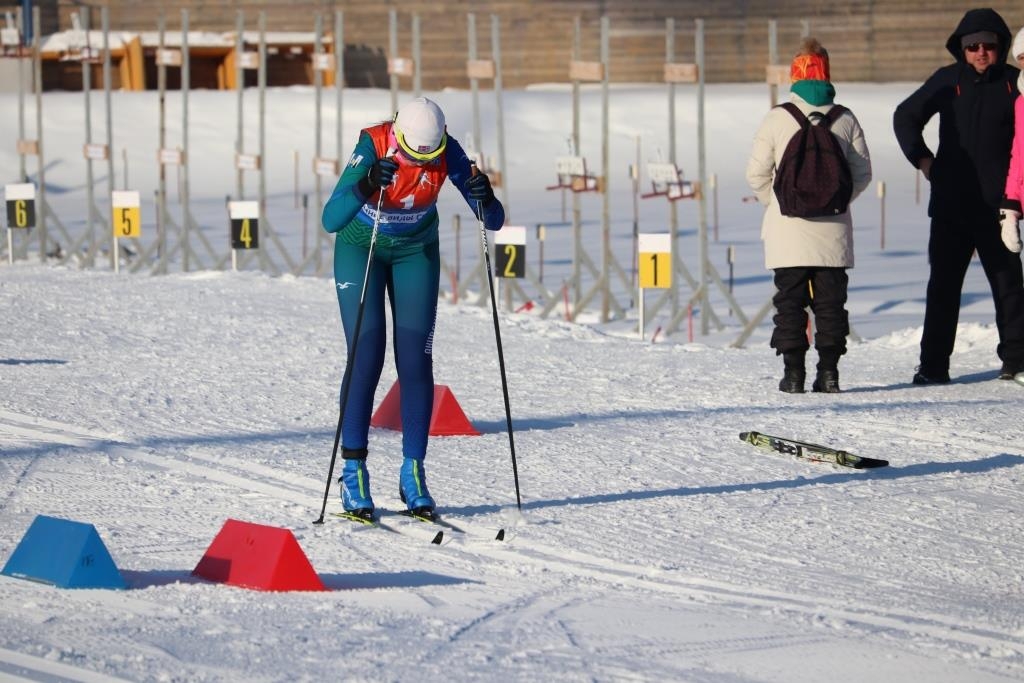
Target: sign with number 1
[655, 260]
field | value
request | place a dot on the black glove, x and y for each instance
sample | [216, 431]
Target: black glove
[381, 174]
[478, 188]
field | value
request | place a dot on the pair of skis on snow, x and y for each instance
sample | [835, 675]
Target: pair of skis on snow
[438, 538]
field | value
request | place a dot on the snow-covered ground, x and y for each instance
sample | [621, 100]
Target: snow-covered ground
[652, 543]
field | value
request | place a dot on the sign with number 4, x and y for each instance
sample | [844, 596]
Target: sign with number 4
[245, 221]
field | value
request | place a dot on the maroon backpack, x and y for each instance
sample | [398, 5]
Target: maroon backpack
[813, 178]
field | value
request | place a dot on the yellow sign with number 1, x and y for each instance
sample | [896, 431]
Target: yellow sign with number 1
[127, 218]
[655, 260]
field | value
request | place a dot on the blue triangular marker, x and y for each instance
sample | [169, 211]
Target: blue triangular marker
[65, 554]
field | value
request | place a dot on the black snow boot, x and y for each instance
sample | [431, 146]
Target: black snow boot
[1010, 369]
[827, 379]
[794, 374]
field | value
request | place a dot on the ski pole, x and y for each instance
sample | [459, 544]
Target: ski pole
[497, 337]
[347, 378]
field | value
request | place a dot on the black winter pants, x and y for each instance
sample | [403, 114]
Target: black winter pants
[950, 248]
[824, 291]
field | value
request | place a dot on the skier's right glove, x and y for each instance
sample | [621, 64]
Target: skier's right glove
[381, 174]
[478, 188]
[1008, 219]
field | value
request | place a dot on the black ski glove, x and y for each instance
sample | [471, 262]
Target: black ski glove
[478, 188]
[381, 174]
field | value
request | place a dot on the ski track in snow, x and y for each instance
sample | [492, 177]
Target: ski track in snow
[565, 564]
[543, 605]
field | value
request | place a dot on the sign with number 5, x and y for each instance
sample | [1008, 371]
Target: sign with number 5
[127, 219]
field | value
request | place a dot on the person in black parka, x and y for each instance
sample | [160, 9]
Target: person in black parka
[974, 98]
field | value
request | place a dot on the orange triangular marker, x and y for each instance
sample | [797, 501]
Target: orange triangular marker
[447, 418]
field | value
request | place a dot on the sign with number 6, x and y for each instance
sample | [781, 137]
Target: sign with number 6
[21, 205]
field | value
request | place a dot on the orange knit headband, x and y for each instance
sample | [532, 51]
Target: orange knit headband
[809, 68]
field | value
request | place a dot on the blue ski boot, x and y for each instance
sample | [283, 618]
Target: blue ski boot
[412, 488]
[355, 484]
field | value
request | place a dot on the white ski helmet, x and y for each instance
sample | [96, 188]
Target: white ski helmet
[420, 129]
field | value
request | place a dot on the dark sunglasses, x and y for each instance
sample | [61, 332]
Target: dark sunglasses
[974, 47]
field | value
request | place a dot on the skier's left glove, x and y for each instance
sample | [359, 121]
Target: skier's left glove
[1008, 219]
[478, 188]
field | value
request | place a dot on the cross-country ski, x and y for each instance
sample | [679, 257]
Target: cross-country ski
[810, 451]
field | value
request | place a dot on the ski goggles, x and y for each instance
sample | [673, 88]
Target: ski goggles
[989, 47]
[415, 155]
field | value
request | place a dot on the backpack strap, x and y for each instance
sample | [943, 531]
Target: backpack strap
[834, 113]
[830, 117]
[796, 113]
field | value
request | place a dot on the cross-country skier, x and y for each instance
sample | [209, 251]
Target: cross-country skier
[408, 159]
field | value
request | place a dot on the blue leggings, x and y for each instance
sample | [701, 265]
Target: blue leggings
[409, 273]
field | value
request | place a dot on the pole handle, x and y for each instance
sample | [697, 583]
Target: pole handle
[474, 172]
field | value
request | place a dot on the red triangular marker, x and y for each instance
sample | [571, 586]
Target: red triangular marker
[446, 419]
[259, 557]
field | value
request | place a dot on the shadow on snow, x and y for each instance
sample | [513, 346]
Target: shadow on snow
[138, 580]
[988, 464]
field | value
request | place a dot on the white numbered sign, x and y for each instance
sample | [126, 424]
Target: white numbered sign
[510, 252]
[21, 205]
[245, 231]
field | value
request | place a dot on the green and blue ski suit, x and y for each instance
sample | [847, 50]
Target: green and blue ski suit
[406, 265]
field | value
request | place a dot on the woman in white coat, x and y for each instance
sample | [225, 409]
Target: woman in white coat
[809, 255]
